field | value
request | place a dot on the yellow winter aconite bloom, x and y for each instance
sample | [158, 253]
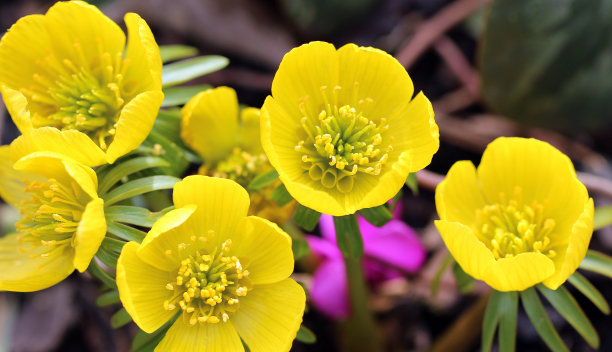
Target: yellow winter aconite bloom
[231, 146]
[70, 69]
[63, 220]
[342, 129]
[224, 272]
[521, 218]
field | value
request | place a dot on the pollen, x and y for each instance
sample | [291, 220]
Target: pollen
[208, 285]
[341, 142]
[241, 166]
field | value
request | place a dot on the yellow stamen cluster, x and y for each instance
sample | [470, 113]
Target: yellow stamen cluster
[50, 217]
[82, 94]
[208, 284]
[341, 142]
[510, 227]
[241, 166]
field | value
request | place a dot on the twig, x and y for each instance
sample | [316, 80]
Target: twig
[429, 179]
[459, 65]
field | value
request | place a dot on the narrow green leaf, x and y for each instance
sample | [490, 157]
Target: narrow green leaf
[567, 306]
[175, 52]
[602, 217]
[508, 306]
[263, 180]
[490, 320]
[174, 96]
[348, 236]
[413, 183]
[465, 283]
[112, 244]
[280, 195]
[597, 262]
[305, 335]
[120, 318]
[186, 70]
[537, 315]
[300, 248]
[168, 123]
[435, 281]
[144, 342]
[108, 298]
[377, 216]
[132, 215]
[125, 232]
[127, 168]
[139, 186]
[159, 144]
[306, 218]
[107, 257]
[96, 271]
[583, 285]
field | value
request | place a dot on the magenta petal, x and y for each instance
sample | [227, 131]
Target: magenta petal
[328, 230]
[397, 212]
[395, 244]
[322, 247]
[329, 293]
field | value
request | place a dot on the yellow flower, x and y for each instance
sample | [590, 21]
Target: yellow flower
[522, 218]
[227, 273]
[231, 147]
[70, 69]
[341, 129]
[63, 220]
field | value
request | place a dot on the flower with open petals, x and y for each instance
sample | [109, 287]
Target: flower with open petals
[63, 220]
[225, 272]
[231, 146]
[520, 219]
[342, 129]
[70, 69]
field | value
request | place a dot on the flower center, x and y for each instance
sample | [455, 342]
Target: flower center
[208, 285]
[86, 94]
[241, 166]
[50, 217]
[341, 143]
[510, 227]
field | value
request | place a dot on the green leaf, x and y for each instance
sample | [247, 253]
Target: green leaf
[159, 145]
[126, 168]
[132, 215]
[96, 271]
[490, 320]
[300, 248]
[377, 216]
[537, 315]
[120, 318]
[546, 62]
[263, 180]
[186, 70]
[435, 281]
[602, 217]
[125, 232]
[508, 306]
[305, 335]
[306, 218]
[348, 236]
[168, 123]
[144, 342]
[107, 257]
[597, 262]
[175, 52]
[413, 183]
[465, 283]
[280, 195]
[567, 306]
[112, 244]
[139, 186]
[175, 96]
[583, 285]
[108, 298]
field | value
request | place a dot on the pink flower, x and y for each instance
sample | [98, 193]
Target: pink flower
[389, 252]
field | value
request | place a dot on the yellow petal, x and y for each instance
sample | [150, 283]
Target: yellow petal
[221, 203]
[568, 260]
[18, 272]
[11, 180]
[17, 106]
[142, 290]
[270, 315]
[519, 272]
[143, 53]
[209, 123]
[268, 249]
[89, 234]
[134, 124]
[250, 137]
[221, 337]
[471, 254]
[166, 234]
[71, 143]
[459, 196]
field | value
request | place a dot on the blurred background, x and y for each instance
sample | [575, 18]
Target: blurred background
[539, 69]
